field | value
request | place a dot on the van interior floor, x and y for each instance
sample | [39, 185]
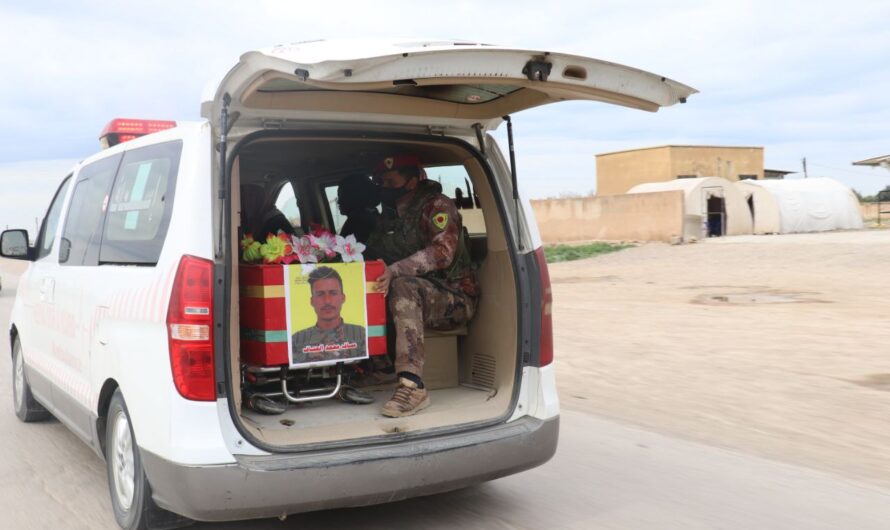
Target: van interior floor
[328, 420]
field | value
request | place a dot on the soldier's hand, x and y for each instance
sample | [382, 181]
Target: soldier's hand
[384, 280]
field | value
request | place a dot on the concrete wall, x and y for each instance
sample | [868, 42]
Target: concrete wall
[641, 217]
[618, 172]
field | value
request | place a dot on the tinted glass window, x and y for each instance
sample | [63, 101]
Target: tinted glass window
[83, 225]
[140, 205]
[338, 218]
[456, 184]
[454, 180]
[331, 193]
[288, 205]
[51, 222]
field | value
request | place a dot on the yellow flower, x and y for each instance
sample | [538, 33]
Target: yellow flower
[273, 250]
[252, 252]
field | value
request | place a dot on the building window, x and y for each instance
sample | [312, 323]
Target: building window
[686, 176]
[747, 177]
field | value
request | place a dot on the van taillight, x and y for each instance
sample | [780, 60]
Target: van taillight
[190, 329]
[545, 355]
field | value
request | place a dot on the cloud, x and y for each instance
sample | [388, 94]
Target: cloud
[799, 79]
[28, 188]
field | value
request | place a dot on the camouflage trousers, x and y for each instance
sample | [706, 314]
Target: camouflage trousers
[416, 303]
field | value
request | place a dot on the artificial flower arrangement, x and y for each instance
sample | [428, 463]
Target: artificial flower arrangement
[319, 246]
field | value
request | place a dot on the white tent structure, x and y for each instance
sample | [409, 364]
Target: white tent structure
[711, 202]
[763, 206]
[813, 205]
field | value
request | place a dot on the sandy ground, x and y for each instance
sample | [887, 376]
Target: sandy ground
[778, 346]
[768, 346]
[773, 345]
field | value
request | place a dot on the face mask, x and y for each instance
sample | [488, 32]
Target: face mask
[373, 198]
[389, 196]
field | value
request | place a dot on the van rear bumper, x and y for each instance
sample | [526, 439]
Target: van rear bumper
[273, 485]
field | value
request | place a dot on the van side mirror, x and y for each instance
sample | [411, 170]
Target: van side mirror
[14, 245]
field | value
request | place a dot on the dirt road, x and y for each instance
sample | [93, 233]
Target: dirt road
[773, 345]
[737, 383]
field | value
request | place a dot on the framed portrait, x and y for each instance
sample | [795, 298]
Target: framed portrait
[326, 313]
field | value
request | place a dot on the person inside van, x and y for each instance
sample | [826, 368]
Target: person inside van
[429, 279]
[357, 198]
[259, 217]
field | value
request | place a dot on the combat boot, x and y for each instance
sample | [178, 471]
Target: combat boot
[407, 400]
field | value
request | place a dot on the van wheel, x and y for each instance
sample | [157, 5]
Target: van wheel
[130, 492]
[131, 499]
[26, 407]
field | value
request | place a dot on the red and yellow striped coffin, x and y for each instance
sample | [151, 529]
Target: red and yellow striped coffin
[264, 334]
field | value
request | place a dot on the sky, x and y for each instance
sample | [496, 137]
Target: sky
[800, 79]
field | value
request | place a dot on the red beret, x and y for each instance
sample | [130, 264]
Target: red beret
[396, 162]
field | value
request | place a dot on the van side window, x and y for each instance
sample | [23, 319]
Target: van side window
[140, 205]
[287, 203]
[338, 219]
[51, 222]
[83, 225]
[456, 184]
[330, 194]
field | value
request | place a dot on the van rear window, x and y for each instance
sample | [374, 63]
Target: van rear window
[140, 205]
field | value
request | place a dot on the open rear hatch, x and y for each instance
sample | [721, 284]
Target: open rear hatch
[426, 83]
[312, 99]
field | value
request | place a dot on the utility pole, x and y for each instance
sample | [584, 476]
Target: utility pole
[804, 160]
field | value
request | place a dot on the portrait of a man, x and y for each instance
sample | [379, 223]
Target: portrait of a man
[331, 338]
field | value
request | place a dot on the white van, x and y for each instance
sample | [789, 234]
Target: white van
[126, 324]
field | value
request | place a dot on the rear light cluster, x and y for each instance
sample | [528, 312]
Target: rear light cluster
[190, 329]
[123, 130]
[545, 355]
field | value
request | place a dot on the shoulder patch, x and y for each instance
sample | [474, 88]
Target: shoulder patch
[440, 220]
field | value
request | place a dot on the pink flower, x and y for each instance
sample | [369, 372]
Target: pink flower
[324, 245]
[349, 248]
[304, 250]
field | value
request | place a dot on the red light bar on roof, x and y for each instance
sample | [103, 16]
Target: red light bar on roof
[121, 130]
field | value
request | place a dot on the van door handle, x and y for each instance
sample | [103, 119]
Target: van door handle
[47, 286]
[103, 311]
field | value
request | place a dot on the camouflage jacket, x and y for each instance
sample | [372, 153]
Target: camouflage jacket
[426, 239]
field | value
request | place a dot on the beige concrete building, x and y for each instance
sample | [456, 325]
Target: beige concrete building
[620, 171]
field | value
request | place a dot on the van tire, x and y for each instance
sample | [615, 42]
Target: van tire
[130, 491]
[26, 407]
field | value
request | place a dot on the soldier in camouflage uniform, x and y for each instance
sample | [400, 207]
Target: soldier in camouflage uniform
[330, 338]
[429, 277]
